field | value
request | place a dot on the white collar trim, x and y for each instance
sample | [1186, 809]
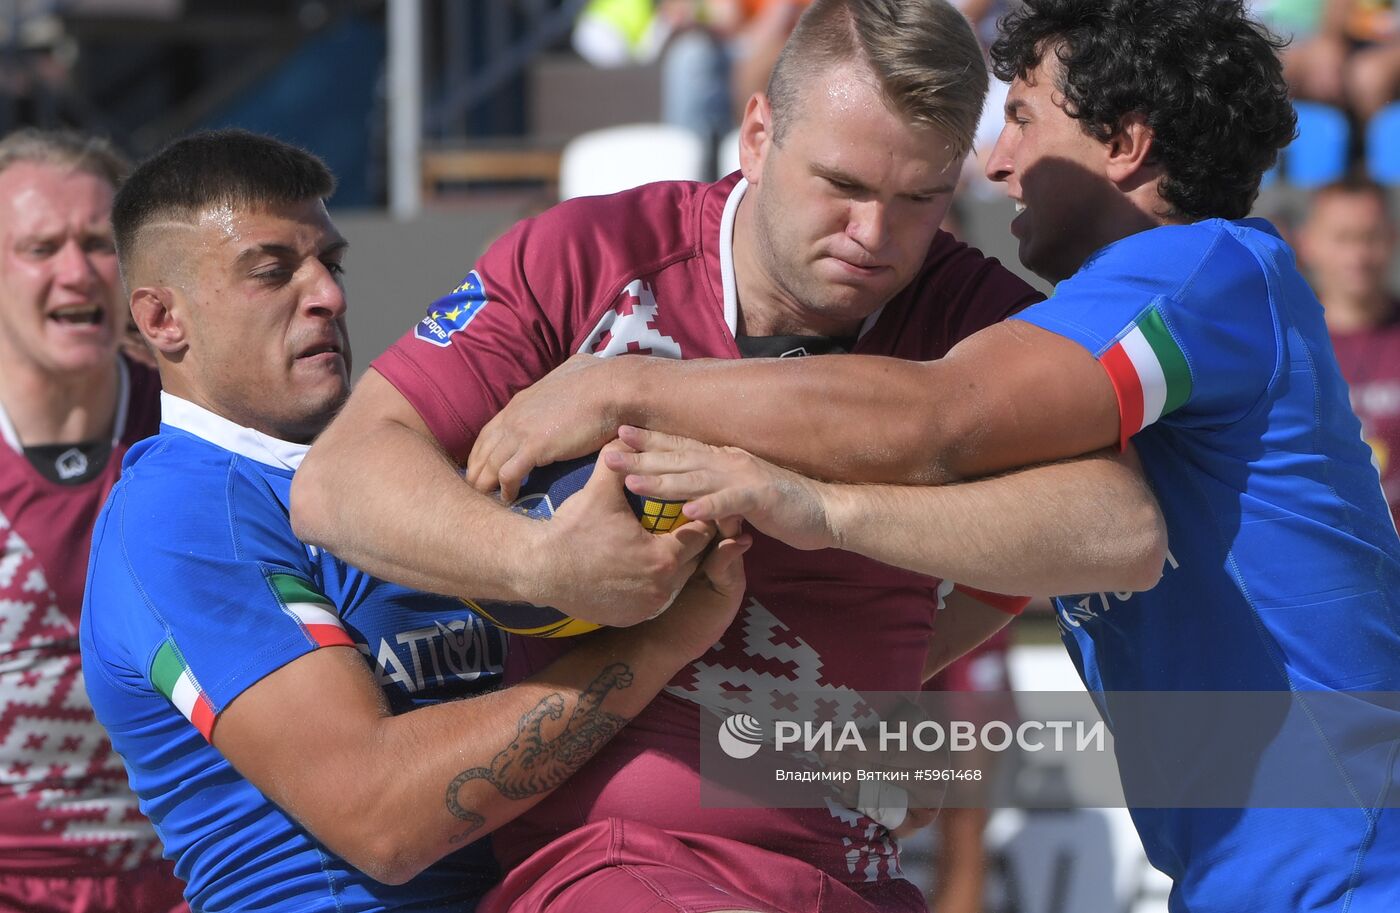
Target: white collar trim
[726, 256]
[214, 428]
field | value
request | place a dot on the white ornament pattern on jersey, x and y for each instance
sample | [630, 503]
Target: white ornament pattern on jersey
[629, 328]
[772, 675]
[873, 854]
[57, 770]
[766, 670]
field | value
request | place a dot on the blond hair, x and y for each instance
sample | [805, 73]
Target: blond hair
[923, 53]
[64, 149]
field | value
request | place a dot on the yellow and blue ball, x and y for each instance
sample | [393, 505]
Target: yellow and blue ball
[542, 492]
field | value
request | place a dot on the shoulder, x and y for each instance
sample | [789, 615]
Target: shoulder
[631, 229]
[177, 489]
[1201, 260]
[655, 219]
[581, 251]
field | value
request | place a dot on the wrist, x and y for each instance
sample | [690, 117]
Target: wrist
[621, 406]
[838, 512]
[529, 561]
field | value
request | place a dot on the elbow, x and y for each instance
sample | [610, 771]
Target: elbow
[1146, 556]
[381, 845]
[385, 857]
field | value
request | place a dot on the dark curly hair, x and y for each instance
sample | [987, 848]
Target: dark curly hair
[1205, 76]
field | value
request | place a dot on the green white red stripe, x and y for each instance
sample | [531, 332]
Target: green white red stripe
[171, 677]
[1149, 374]
[312, 611]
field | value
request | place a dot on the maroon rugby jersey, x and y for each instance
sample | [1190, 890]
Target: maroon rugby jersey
[1370, 362]
[65, 807]
[649, 271]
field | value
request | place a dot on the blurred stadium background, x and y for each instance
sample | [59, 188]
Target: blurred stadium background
[444, 120]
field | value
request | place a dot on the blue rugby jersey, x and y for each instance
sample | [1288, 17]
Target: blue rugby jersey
[1284, 566]
[198, 588]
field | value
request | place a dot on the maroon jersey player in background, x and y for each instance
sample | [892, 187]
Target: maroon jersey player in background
[1346, 244]
[71, 838]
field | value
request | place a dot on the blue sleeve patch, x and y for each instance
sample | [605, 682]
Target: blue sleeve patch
[451, 313]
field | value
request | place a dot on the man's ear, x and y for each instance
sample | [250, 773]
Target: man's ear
[755, 136]
[1130, 151]
[154, 310]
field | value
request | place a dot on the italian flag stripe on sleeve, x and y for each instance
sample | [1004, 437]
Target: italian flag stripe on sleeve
[171, 677]
[312, 611]
[1149, 374]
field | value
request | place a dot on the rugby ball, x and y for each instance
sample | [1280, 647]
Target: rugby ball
[542, 492]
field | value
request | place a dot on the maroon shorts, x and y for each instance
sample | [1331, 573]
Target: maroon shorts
[150, 889]
[625, 867]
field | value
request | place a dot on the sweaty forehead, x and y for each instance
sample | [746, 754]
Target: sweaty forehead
[283, 223]
[227, 236]
[836, 94]
[219, 236]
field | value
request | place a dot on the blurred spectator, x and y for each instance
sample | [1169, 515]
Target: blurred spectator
[1344, 52]
[985, 16]
[71, 837]
[1347, 244]
[714, 54]
[36, 59]
[721, 53]
[697, 63]
[767, 25]
[619, 33]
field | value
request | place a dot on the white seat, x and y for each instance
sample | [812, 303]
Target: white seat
[620, 158]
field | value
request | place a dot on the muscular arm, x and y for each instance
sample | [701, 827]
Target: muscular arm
[392, 794]
[1011, 395]
[378, 491]
[1082, 525]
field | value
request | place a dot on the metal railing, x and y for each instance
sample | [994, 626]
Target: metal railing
[448, 61]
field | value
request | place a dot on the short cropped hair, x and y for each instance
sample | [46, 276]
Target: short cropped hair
[923, 53]
[64, 149]
[214, 168]
[1205, 76]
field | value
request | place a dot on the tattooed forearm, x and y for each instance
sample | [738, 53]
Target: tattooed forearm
[532, 763]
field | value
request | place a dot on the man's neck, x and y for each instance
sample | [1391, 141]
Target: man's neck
[226, 407]
[68, 408]
[1354, 313]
